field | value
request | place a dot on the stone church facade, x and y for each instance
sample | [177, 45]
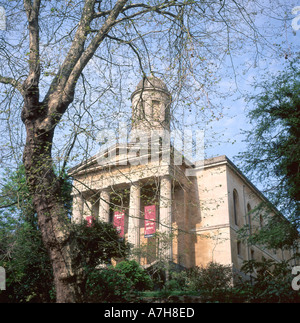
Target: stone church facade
[157, 207]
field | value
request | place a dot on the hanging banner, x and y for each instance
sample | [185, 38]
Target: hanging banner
[119, 217]
[150, 218]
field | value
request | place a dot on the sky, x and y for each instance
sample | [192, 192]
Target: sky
[235, 120]
[229, 140]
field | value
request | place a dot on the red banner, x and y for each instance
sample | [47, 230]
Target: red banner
[119, 217]
[150, 218]
[89, 220]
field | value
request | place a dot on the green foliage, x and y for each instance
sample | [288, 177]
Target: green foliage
[28, 269]
[116, 284]
[134, 273]
[96, 244]
[273, 150]
[106, 285]
[276, 233]
[30, 278]
[26, 261]
[210, 278]
[172, 285]
[213, 282]
[15, 198]
[272, 283]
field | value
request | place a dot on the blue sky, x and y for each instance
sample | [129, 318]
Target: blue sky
[248, 69]
[235, 120]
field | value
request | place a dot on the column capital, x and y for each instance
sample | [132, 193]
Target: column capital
[106, 189]
[135, 184]
[166, 177]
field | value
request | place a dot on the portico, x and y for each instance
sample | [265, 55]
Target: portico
[129, 190]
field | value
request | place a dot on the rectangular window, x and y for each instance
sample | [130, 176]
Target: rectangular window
[238, 246]
[235, 202]
[155, 109]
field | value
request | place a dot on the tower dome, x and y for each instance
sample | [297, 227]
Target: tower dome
[151, 105]
[152, 82]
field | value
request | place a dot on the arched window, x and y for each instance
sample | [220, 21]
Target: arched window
[249, 208]
[235, 207]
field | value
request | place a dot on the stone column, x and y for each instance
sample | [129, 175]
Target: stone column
[87, 209]
[165, 217]
[134, 215]
[77, 208]
[104, 206]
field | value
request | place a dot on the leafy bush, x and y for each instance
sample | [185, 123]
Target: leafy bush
[210, 278]
[272, 283]
[213, 283]
[28, 269]
[29, 276]
[106, 285]
[116, 284]
[136, 275]
[172, 284]
[96, 244]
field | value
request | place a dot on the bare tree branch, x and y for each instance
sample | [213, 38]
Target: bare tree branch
[16, 84]
[88, 53]
[75, 51]
[147, 8]
[32, 12]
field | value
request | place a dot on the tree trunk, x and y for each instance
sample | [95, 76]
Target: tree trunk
[40, 119]
[45, 188]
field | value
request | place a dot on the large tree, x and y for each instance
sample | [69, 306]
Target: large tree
[23, 255]
[272, 157]
[59, 59]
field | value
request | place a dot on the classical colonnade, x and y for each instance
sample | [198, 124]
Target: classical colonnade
[134, 213]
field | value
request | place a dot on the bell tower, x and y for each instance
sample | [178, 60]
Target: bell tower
[151, 102]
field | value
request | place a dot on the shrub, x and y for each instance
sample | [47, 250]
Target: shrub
[135, 275]
[272, 283]
[106, 285]
[213, 282]
[172, 285]
[210, 278]
[116, 284]
[96, 244]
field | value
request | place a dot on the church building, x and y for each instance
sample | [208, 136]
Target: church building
[186, 213]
